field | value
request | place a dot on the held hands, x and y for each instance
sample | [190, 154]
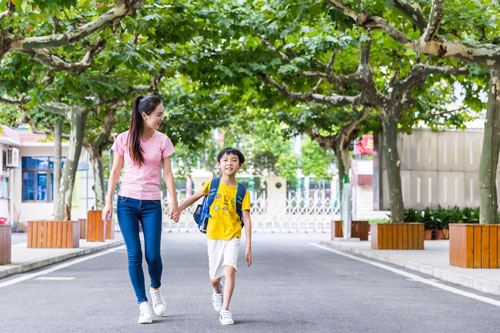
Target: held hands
[248, 256]
[175, 213]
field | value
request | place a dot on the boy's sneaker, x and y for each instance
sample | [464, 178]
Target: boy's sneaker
[217, 300]
[226, 317]
[159, 306]
[146, 316]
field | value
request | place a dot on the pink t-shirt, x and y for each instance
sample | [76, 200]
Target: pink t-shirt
[143, 183]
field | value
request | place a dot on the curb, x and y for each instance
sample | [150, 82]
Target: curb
[31, 265]
[448, 275]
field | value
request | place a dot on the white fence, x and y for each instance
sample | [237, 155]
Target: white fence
[294, 215]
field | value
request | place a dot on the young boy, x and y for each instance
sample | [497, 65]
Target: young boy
[224, 230]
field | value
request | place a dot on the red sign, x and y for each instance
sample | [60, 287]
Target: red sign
[365, 145]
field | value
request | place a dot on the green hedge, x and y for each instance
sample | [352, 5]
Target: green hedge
[440, 217]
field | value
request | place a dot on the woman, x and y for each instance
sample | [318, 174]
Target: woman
[144, 150]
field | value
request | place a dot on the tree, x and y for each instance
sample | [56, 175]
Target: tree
[295, 47]
[315, 161]
[466, 35]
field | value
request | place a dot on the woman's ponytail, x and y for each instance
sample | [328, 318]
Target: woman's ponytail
[146, 104]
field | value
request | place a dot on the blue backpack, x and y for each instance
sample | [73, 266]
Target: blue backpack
[202, 212]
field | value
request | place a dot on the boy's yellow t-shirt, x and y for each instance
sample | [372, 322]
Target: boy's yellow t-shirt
[225, 222]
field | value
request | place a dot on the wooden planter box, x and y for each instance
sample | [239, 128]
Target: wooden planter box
[83, 228]
[5, 243]
[475, 245]
[95, 226]
[397, 236]
[359, 229]
[53, 234]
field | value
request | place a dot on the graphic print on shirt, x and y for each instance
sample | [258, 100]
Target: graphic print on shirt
[225, 222]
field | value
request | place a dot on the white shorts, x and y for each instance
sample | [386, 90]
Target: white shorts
[222, 253]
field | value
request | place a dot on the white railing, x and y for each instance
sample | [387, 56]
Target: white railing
[268, 215]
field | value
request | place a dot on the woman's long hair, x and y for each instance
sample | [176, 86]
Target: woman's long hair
[146, 104]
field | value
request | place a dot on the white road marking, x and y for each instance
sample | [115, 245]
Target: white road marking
[413, 277]
[58, 267]
[55, 278]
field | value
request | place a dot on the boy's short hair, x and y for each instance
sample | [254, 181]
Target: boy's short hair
[231, 151]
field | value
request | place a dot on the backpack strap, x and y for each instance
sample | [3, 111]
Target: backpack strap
[214, 187]
[240, 195]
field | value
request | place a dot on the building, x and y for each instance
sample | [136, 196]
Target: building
[26, 177]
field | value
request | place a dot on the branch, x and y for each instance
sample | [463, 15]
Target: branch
[486, 54]
[434, 20]
[270, 47]
[420, 72]
[450, 111]
[328, 142]
[62, 108]
[316, 87]
[329, 67]
[413, 12]
[370, 22]
[10, 42]
[334, 79]
[22, 101]
[53, 61]
[333, 100]
[11, 9]
[153, 86]
[35, 129]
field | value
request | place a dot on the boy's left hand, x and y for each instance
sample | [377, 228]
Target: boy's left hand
[248, 256]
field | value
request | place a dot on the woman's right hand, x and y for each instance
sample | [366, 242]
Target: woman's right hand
[106, 212]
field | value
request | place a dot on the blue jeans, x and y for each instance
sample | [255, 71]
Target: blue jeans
[148, 212]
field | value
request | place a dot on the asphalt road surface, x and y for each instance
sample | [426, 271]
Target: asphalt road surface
[292, 286]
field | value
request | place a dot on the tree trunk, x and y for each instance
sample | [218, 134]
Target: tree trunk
[78, 119]
[57, 162]
[390, 133]
[341, 170]
[98, 170]
[488, 205]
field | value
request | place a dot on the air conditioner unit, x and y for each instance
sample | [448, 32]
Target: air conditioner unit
[13, 158]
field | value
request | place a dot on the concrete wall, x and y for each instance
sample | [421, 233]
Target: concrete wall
[437, 168]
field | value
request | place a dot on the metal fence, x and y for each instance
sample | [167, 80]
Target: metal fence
[290, 215]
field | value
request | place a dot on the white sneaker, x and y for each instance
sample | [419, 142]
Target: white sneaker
[159, 306]
[217, 299]
[146, 316]
[226, 317]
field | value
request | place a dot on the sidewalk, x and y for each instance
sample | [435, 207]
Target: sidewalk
[434, 261]
[24, 259]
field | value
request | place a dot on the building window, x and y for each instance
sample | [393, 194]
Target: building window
[38, 178]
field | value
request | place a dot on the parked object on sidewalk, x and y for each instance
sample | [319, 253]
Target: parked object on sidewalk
[83, 228]
[427, 234]
[446, 233]
[95, 226]
[5, 243]
[439, 234]
[53, 234]
[359, 229]
[397, 236]
[475, 245]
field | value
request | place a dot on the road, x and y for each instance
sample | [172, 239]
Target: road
[292, 286]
